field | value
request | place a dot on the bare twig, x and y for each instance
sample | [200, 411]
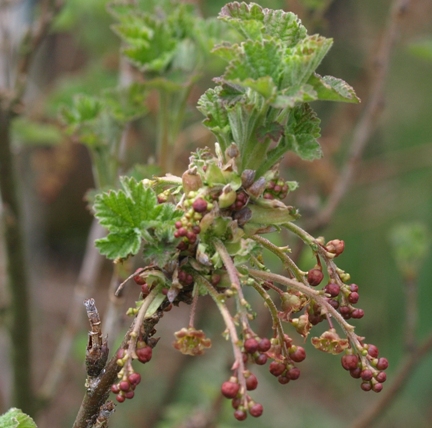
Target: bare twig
[96, 397]
[405, 371]
[371, 113]
[86, 279]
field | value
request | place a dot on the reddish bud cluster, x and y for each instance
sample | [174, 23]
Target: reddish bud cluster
[240, 201]
[188, 227]
[241, 401]
[276, 188]
[373, 376]
[125, 389]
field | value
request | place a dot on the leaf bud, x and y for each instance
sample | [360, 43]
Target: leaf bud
[227, 197]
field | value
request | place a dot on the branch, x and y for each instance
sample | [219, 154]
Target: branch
[86, 279]
[370, 115]
[100, 387]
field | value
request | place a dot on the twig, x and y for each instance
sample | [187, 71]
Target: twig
[368, 120]
[86, 279]
[405, 371]
[95, 397]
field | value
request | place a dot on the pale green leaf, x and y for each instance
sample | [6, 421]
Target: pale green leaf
[15, 418]
[301, 133]
[329, 88]
[300, 62]
[255, 60]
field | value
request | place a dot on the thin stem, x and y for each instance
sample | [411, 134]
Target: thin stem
[313, 294]
[139, 319]
[279, 252]
[274, 314]
[229, 322]
[193, 306]
[235, 282]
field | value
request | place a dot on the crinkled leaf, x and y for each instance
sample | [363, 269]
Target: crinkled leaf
[255, 60]
[120, 245]
[254, 22]
[159, 253]
[301, 133]
[272, 130]
[227, 51]
[284, 26]
[127, 214]
[295, 95]
[263, 85]
[245, 18]
[211, 106]
[302, 60]
[15, 418]
[150, 43]
[330, 88]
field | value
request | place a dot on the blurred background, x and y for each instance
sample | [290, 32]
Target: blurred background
[392, 187]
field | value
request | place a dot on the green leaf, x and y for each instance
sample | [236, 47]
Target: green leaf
[255, 60]
[83, 109]
[295, 95]
[119, 245]
[329, 88]
[128, 214]
[132, 215]
[300, 62]
[15, 418]
[211, 106]
[126, 104]
[254, 22]
[301, 133]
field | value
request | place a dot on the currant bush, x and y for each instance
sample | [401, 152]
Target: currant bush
[202, 233]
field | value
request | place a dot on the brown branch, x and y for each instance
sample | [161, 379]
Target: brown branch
[97, 394]
[369, 117]
[86, 279]
[405, 371]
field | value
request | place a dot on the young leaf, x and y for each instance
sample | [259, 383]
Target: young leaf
[129, 214]
[301, 133]
[15, 418]
[330, 88]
